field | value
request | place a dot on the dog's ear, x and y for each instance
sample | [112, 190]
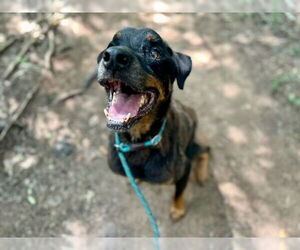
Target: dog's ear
[183, 67]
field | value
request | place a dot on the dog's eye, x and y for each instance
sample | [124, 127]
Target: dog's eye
[155, 54]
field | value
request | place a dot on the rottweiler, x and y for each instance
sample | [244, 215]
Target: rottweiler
[138, 69]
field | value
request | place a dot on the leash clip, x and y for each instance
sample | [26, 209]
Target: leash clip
[154, 141]
[123, 147]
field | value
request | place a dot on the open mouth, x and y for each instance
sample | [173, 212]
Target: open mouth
[126, 105]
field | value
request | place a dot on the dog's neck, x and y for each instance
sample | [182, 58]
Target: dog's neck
[150, 124]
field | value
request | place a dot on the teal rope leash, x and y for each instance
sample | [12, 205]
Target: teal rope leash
[123, 148]
[142, 199]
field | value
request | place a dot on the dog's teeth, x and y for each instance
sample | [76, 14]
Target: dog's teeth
[127, 117]
[114, 99]
[142, 101]
[105, 112]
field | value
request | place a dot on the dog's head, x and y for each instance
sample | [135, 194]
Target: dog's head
[137, 70]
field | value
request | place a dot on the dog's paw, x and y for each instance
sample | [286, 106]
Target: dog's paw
[177, 213]
[202, 178]
[138, 181]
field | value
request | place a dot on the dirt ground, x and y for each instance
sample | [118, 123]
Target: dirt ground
[54, 179]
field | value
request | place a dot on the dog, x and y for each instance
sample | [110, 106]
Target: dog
[138, 70]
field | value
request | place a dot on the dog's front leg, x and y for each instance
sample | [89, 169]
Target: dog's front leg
[178, 209]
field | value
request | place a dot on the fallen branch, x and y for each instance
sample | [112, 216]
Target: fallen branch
[49, 54]
[13, 65]
[32, 40]
[68, 95]
[18, 112]
[8, 45]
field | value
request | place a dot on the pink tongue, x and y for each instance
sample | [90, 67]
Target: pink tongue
[124, 104]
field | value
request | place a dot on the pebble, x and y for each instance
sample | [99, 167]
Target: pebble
[30, 161]
[89, 195]
[103, 150]
[2, 38]
[63, 149]
[11, 162]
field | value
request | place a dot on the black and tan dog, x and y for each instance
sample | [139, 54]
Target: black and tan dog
[137, 70]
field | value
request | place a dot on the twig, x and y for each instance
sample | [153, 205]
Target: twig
[19, 111]
[13, 65]
[68, 95]
[3, 101]
[76, 92]
[8, 45]
[50, 52]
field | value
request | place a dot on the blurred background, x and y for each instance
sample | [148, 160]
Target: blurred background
[151, 6]
[244, 86]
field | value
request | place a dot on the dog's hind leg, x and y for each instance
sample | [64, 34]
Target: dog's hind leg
[178, 209]
[200, 156]
[200, 164]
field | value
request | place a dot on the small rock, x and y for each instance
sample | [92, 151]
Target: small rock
[2, 38]
[103, 150]
[11, 162]
[30, 161]
[89, 195]
[51, 166]
[63, 149]
[31, 200]
[8, 167]
[86, 143]
[27, 182]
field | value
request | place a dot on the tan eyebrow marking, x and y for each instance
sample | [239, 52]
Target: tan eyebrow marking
[117, 35]
[150, 37]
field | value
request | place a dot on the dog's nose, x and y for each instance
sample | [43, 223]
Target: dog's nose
[116, 58]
